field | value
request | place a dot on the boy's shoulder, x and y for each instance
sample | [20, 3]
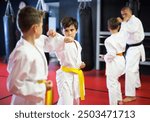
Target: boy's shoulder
[22, 48]
[108, 38]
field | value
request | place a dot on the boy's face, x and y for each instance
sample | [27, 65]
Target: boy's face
[70, 31]
[126, 14]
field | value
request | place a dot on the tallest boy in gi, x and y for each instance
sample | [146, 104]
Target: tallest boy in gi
[135, 35]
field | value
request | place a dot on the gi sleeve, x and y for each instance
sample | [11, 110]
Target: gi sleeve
[111, 52]
[53, 43]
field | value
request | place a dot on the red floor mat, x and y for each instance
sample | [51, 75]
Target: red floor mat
[3, 89]
[95, 83]
[95, 98]
[3, 69]
[5, 101]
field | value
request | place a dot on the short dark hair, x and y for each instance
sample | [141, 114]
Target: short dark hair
[113, 23]
[27, 17]
[126, 8]
[68, 21]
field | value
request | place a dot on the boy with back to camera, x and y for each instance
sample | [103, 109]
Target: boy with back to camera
[115, 62]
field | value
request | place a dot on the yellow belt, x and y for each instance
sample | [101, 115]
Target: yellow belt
[119, 54]
[80, 76]
[48, 95]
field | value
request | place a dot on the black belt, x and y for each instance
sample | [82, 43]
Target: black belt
[132, 45]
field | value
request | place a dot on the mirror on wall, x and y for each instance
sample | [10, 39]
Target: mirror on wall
[53, 9]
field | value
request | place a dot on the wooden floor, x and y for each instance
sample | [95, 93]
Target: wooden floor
[95, 83]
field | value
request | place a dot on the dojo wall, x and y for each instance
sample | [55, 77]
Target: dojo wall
[110, 8]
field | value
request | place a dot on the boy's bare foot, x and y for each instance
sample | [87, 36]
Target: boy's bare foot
[120, 102]
[129, 99]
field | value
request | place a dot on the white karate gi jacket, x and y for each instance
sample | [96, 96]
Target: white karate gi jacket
[115, 44]
[27, 64]
[135, 34]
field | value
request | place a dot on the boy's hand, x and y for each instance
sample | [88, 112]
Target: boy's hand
[49, 84]
[119, 19]
[82, 65]
[68, 39]
[51, 33]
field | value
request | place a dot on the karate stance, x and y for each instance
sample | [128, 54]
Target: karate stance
[70, 80]
[115, 62]
[135, 35]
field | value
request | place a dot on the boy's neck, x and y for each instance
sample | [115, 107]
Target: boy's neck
[29, 37]
[113, 31]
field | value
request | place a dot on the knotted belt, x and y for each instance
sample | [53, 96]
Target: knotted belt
[48, 95]
[80, 76]
[119, 54]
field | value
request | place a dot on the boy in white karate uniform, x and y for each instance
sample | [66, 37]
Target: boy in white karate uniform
[69, 77]
[135, 35]
[115, 62]
[27, 64]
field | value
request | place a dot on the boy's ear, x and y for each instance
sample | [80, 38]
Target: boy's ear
[34, 27]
